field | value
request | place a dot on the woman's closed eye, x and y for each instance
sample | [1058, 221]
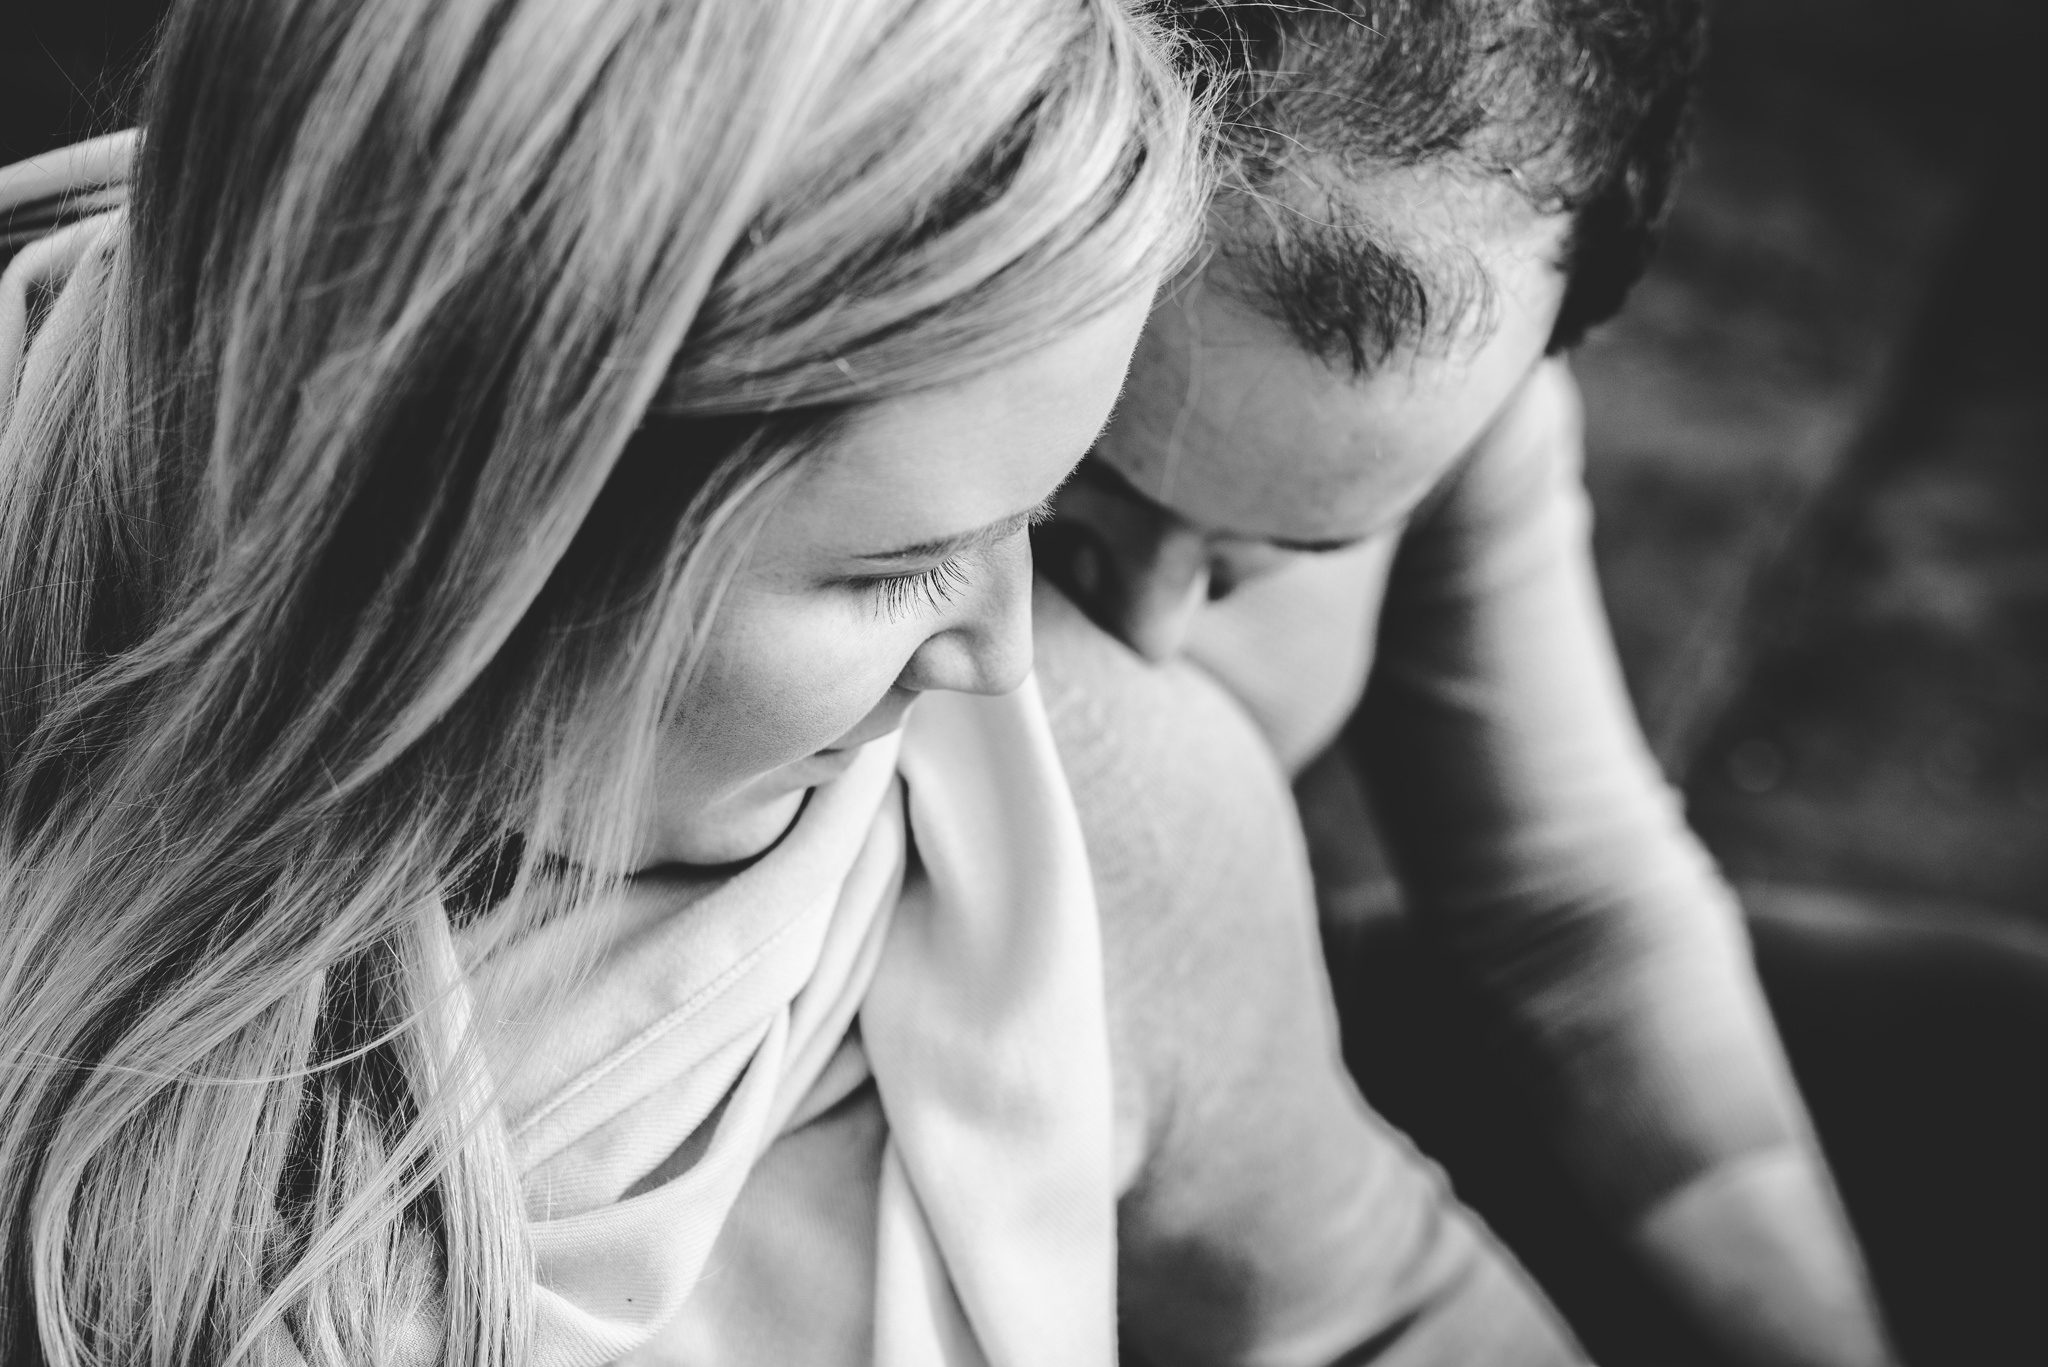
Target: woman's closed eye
[938, 586]
[898, 596]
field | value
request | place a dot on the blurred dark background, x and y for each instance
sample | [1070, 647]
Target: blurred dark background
[68, 69]
[1816, 450]
[1817, 442]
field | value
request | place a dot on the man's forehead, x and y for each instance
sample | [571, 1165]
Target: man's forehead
[1282, 461]
[1101, 474]
[1228, 421]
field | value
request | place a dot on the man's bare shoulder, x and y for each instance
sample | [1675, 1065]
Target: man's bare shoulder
[1206, 905]
[1167, 734]
[1084, 670]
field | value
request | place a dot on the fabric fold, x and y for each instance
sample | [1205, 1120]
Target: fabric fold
[932, 934]
[1001, 1120]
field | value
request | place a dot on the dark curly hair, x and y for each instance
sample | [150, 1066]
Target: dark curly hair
[1582, 105]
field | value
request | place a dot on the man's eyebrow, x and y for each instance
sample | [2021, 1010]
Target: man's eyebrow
[946, 547]
[1104, 475]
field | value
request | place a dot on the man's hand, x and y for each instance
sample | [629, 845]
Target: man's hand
[1759, 1252]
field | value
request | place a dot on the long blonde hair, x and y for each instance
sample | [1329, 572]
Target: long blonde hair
[361, 503]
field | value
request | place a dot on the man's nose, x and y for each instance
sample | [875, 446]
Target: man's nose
[1141, 581]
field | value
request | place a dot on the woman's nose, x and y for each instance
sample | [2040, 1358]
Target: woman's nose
[988, 650]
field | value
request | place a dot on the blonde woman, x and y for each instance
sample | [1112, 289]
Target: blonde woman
[473, 527]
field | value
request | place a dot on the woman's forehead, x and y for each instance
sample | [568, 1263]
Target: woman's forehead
[948, 460]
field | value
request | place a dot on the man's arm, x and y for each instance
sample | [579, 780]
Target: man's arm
[1540, 844]
[1266, 1215]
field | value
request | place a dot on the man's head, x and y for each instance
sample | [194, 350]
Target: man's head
[1426, 197]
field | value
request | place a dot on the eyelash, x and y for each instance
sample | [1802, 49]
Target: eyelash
[898, 595]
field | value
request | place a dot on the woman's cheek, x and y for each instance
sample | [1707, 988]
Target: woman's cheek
[823, 668]
[787, 675]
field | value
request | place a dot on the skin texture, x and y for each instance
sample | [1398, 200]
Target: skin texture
[1265, 1215]
[898, 563]
[1236, 452]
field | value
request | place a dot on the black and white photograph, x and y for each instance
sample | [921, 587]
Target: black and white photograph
[1023, 683]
